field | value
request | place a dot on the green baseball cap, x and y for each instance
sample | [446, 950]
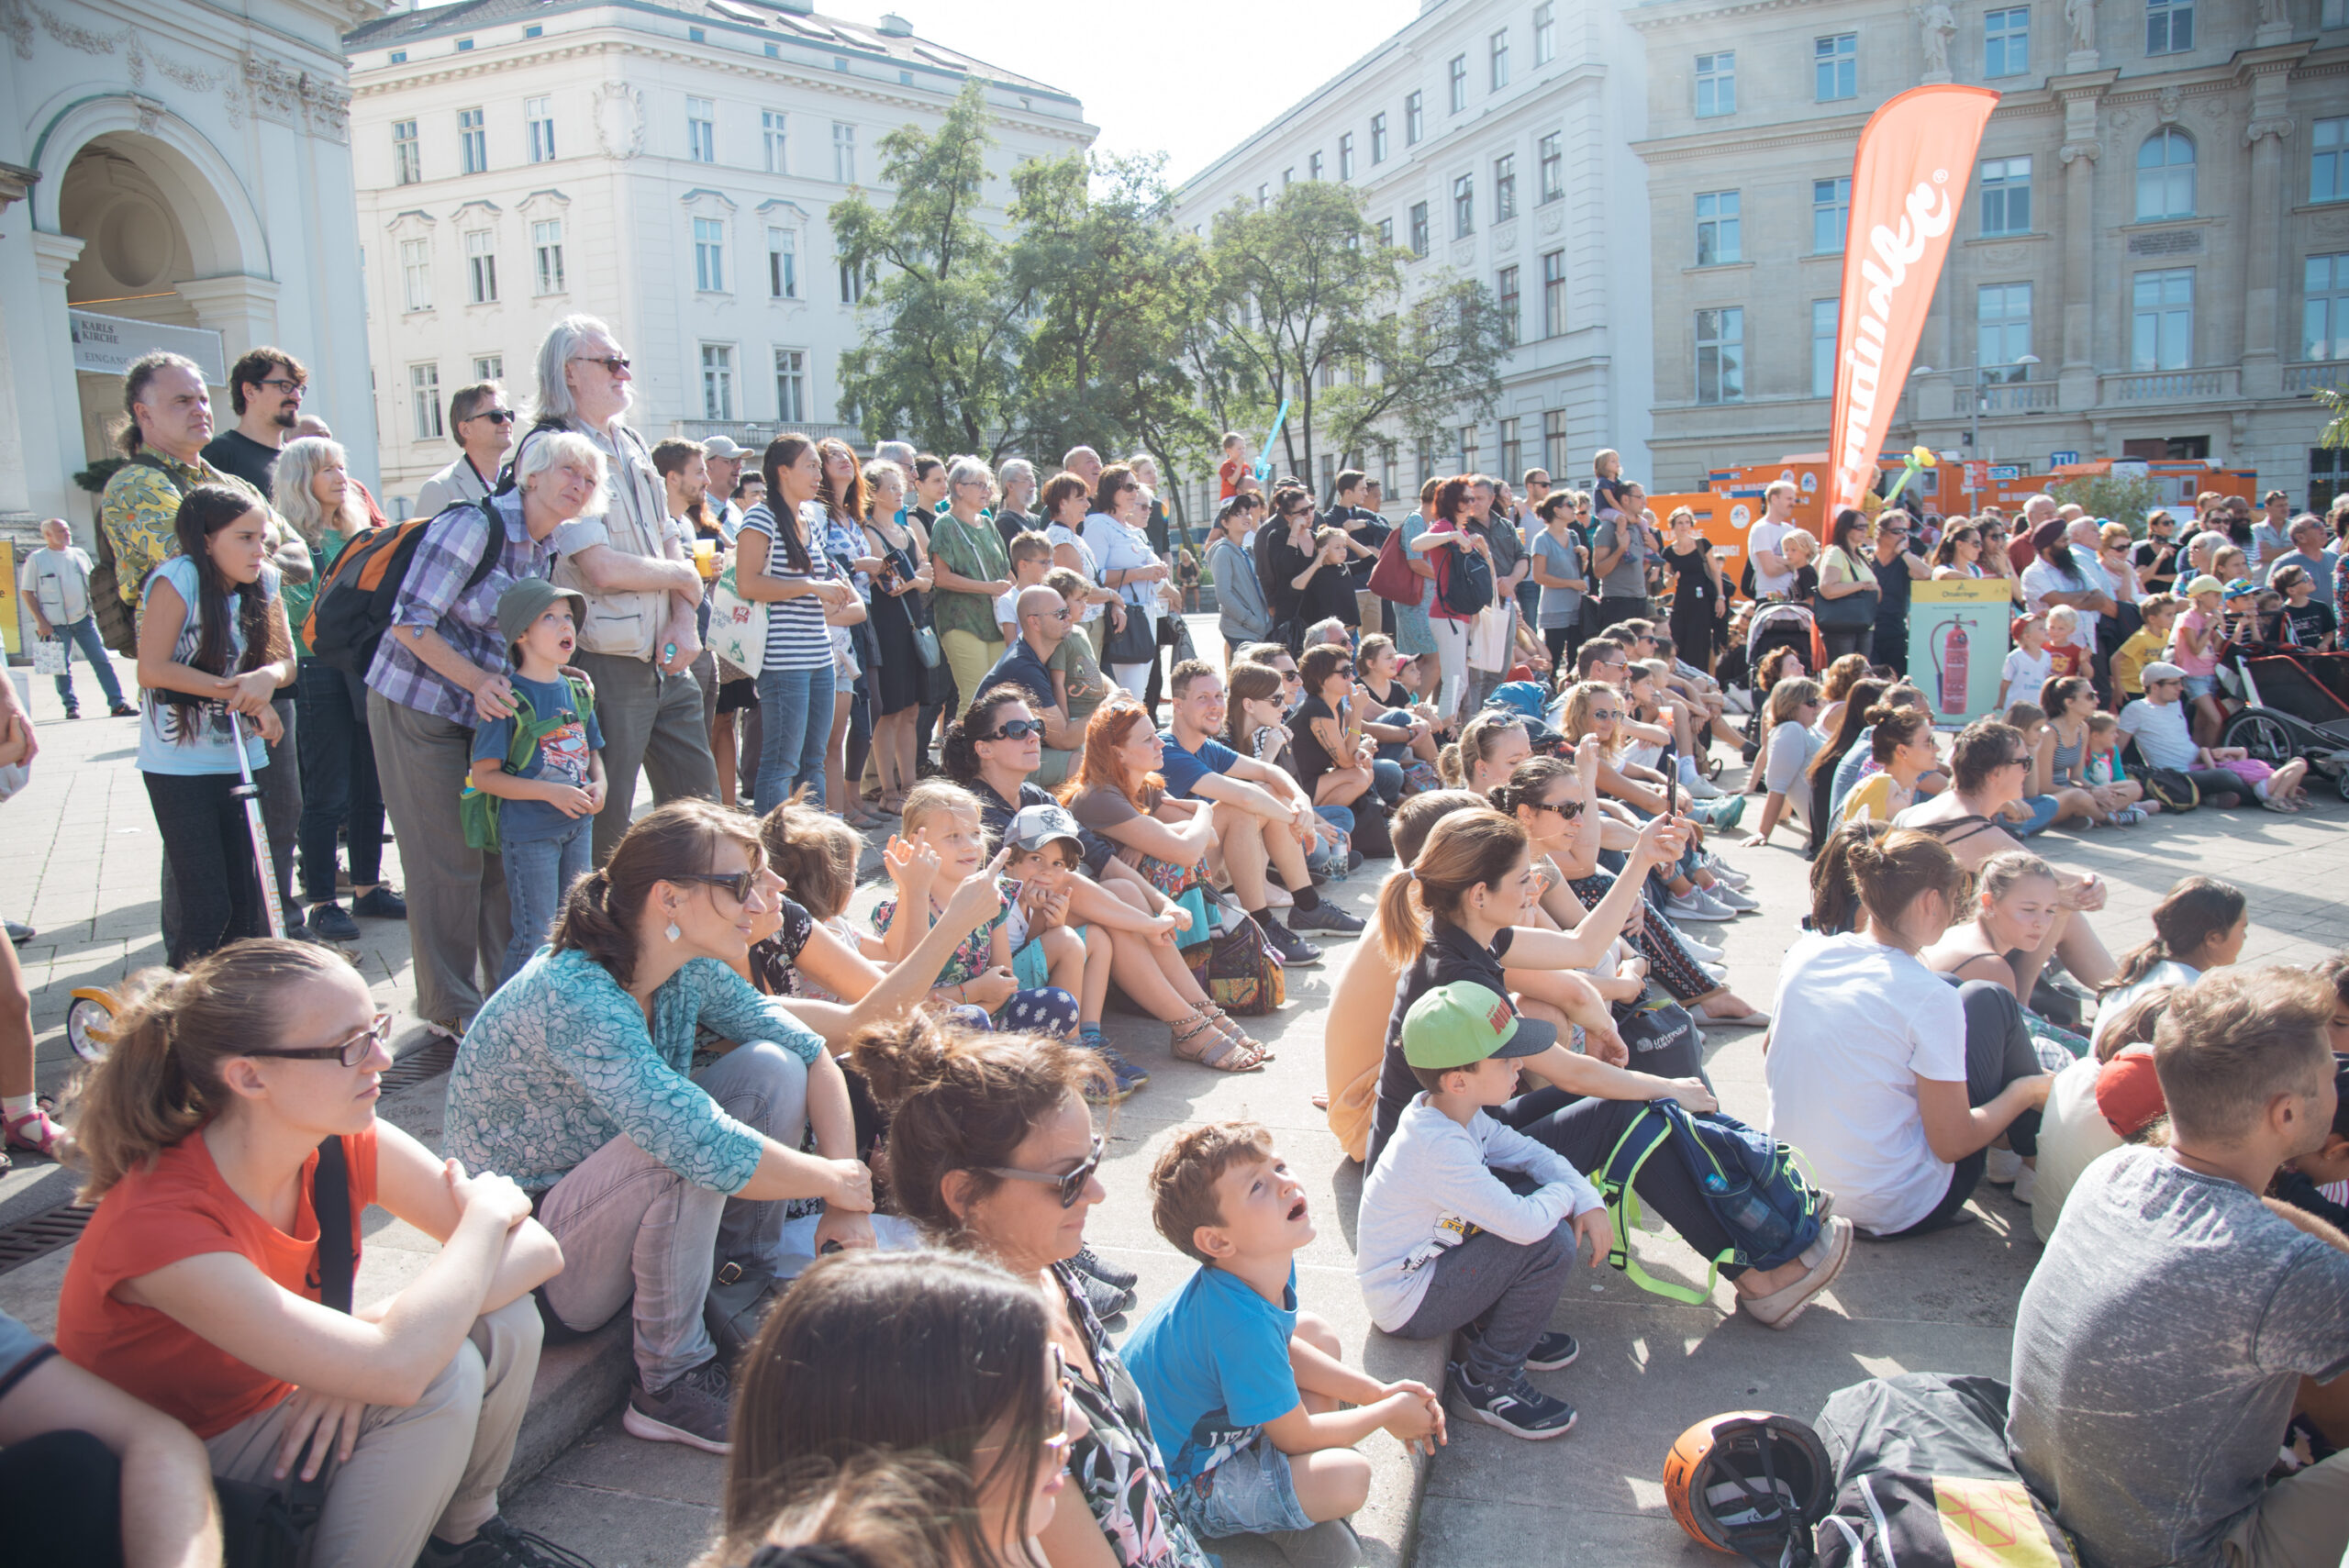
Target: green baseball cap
[519, 607]
[1461, 1024]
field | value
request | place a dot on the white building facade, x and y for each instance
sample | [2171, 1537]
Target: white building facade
[171, 175]
[1492, 138]
[668, 165]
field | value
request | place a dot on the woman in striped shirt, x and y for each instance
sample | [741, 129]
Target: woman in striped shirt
[776, 564]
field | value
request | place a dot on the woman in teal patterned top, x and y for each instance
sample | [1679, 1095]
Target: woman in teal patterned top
[577, 1079]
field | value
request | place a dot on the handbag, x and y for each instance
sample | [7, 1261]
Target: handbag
[926, 647]
[1134, 643]
[49, 656]
[738, 627]
[269, 1527]
[1852, 612]
[1391, 577]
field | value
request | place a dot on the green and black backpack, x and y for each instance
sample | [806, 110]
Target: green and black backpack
[478, 810]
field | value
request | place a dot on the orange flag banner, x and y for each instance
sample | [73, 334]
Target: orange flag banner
[1909, 179]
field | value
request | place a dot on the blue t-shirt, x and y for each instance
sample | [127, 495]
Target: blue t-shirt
[1212, 1363]
[1020, 667]
[1183, 769]
[564, 755]
[185, 739]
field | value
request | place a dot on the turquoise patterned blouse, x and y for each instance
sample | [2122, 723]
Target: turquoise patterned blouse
[558, 1064]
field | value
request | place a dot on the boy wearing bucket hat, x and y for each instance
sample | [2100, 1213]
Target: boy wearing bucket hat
[538, 777]
[1446, 1243]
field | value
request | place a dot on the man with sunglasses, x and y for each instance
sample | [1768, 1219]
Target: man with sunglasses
[1044, 623]
[265, 387]
[481, 418]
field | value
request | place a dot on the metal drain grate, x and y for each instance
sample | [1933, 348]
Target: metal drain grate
[42, 1234]
[416, 1066]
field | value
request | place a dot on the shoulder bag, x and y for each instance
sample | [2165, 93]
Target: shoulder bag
[1852, 611]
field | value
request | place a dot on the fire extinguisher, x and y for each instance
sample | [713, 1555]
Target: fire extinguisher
[1949, 658]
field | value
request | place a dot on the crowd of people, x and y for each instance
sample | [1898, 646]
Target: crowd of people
[687, 1076]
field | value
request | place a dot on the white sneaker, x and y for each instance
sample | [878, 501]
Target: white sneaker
[1717, 972]
[1703, 953]
[1723, 893]
[1695, 905]
[1736, 699]
[2003, 1165]
[1723, 872]
[1699, 787]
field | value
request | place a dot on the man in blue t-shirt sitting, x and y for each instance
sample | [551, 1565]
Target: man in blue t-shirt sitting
[1044, 619]
[1263, 816]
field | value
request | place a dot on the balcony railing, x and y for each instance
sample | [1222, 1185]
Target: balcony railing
[2018, 396]
[2170, 386]
[755, 434]
[2299, 380]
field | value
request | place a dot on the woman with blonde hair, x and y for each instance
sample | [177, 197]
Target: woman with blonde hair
[1790, 739]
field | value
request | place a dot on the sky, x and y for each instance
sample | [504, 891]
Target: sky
[1193, 79]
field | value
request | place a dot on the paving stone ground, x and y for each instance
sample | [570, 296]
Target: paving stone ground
[80, 863]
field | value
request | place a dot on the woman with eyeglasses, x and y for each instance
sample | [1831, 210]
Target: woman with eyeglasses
[1114, 532]
[578, 1079]
[235, 1095]
[994, 1153]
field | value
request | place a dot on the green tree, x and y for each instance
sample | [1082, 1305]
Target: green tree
[2110, 495]
[944, 330]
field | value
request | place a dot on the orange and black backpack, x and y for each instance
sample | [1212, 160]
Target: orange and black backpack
[352, 607]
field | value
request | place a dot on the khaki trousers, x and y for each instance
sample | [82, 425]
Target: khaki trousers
[2301, 1523]
[458, 921]
[970, 659]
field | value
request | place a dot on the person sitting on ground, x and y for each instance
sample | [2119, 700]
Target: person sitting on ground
[2176, 1318]
[1698, 891]
[2074, 1128]
[1445, 1244]
[893, 1510]
[1334, 756]
[1860, 763]
[1403, 726]
[1900, 742]
[1817, 780]
[1891, 1084]
[2157, 722]
[1255, 726]
[2064, 746]
[1835, 684]
[2200, 923]
[234, 1094]
[1044, 624]
[813, 953]
[1790, 726]
[577, 1078]
[2028, 720]
[2016, 919]
[934, 1355]
[1251, 1390]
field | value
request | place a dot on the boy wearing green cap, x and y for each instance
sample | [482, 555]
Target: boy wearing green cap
[548, 797]
[1444, 1243]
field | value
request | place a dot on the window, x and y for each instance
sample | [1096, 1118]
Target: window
[2005, 195]
[696, 35]
[1512, 451]
[1346, 156]
[2161, 328]
[1554, 166]
[1459, 78]
[1313, 166]
[1386, 233]
[546, 253]
[540, 117]
[1831, 214]
[1716, 226]
[1467, 449]
[489, 367]
[2003, 331]
[1835, 67]
[1717, 83]
[1553, 444]
[464, 46]
[716, 381]
[407, 167]
[851, 282]
[1497, 58]
[2324, 309]
[1427, 459]
[1505, 187]
[1721, 355]
[1823, 315]
[845, 154]
[1554, 292]
[790, 386]
[1419, 228]
[1545, 33]
[534, 31]
[2166, 176]
[1377, 140]
[2169, 26]
[701, 130]
[782, 264]
[1463, 206]
[416, 272]
[710, 255]
[1263, 197]
[473, 142]
[481, 267]
[1508, 295]
[424, 392]
[2006, 42]
[2336, 14]
[399, 57]
[1415, 119]
[2329, 160]
[771, 128]
[1288, 176]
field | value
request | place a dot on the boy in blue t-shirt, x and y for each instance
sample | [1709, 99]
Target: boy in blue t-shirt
[1244, 1390]
[547, 803]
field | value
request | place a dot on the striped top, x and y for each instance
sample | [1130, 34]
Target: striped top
[797, 635]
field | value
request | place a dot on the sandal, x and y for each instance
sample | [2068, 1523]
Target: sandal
[1224, 1055]
[35, 1132]
[1230, 1030]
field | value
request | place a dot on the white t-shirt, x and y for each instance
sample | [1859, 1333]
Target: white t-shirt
[2039, 580]
[2161, 732]
[1060, 534]
[2169, 971]
[1857, 1023]
[2025, 672]
[2072, 1133]
[1768, 536]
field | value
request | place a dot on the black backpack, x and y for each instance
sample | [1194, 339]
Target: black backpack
[1466, 583]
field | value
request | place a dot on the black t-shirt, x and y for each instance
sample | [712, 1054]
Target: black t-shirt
[1278, 564]
[1450, 955]
[2156, 564]
[233, 451]
[1313, 759]
[1369, 529]
[773, 959]
[1892, 589]
[1011, 525]
[1392, 698]
[996, 813]
[2313, 622]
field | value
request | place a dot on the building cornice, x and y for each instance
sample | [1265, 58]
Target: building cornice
[1655, 16]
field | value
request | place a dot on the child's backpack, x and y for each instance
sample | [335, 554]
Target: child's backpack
[352, 607]
[476, 810]
[1240, 972]
[1749, 1179]
[2174, 788]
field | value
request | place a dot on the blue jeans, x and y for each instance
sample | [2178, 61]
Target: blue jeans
[84, 634]
[539, 871]
[2042, 813]
[1322, 860]
[339, 784]
[795, 707]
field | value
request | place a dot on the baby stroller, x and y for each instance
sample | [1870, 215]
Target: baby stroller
[2286, 703]
[1776, 623]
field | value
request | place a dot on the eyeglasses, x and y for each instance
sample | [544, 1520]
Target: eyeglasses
[612, 362]
[1019, 729]
[502, 416]
[283, 384]
[349, 1053]
[1071, 1183]
[739, 884]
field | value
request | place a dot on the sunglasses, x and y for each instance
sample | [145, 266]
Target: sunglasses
[739, 884]
[612, 362]
[1345, 670]
[1020, 728]
[1072, 1184]
[1606, 713]
[502, 416]
[349, 1053]
[1568, 809]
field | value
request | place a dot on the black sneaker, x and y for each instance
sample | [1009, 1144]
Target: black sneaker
[1325, 917]
[1295, 950]
[1553, 1350]
[72, 713]
[1088, 1262]
[1517, 1407]
[122, 710]
[380, 904]
[1106, 1299]
[330, 923]
[499, 1545]
[693, 1411]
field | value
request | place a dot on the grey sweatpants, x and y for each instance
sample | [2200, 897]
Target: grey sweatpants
[652, 724]
[458, 921]
[1507, 1290]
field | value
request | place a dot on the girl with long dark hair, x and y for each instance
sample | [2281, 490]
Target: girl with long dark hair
[777, 565]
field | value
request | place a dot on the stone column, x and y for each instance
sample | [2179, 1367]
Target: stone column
[49, 396]
[243, 309]
[2075, 379]
[2262, 371]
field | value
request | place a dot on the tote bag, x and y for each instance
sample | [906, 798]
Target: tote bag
[738, 627]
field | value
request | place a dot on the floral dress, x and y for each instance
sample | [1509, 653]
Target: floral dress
[1116, 1467]
[1047, 1009]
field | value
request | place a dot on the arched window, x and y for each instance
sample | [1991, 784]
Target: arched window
[2166, 176]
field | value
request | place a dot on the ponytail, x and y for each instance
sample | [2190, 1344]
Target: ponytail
[1834, 897]
[1464, 848]
[2188, 916]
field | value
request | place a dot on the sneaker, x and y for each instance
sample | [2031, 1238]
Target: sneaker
[1702, 951]
[1325, 917]
[19, 933]
[1723, 893]
[448, 1028]
[1126, 1076]
[2001, 1166]
[1694, 905]
[330, 923]
[1724, 871]
[1517, 1407]
[1107, 1300]
[693, 1411]
[1717, 972]
[2026, 1185]
[499, 1545]
[1295, 950]
[1088, 1262]
[380, 904]
[1554, 1350]
[1699, 787]
[122, 710]
[72, 712]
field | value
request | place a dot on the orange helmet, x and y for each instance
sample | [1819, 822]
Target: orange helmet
[1751, 1483]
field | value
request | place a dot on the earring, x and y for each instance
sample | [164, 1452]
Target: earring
[672, 933]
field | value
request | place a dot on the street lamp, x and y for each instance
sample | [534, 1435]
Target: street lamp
[1973, 384]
